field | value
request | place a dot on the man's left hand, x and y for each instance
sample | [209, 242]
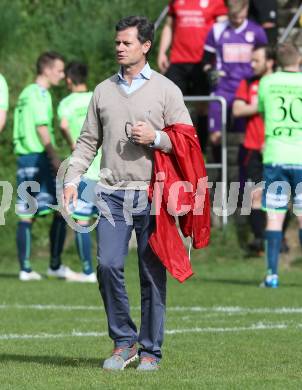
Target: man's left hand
[143, 133]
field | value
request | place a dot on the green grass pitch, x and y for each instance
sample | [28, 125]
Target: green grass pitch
[222, 331]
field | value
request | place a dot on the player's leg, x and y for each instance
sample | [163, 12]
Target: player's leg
[57, 236]
[297, 197]
[57, 233]
[83, 213]
[258, 222]
[284, 245]
[273, 239]
[200, 87]
[24, 244]
[254, 174]
[83, 242]
[215, 122]
[275, 200]
[26, 209]
[214, 126]
[238, 126]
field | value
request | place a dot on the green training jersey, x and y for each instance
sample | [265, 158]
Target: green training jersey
[73, 109]
[3, 94]
[34, 108]
[280, 101]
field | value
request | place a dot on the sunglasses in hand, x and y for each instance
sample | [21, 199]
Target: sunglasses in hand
[128, 131]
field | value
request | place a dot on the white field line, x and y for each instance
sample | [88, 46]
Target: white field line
[51, 307]
[237, 309]
[16, 336]
[203, 309]
[258, 326]
[253, 327]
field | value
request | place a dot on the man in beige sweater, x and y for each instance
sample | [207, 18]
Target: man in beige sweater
[126, 116]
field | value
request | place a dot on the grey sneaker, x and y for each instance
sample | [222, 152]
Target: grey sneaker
[148, 363]
[121, 357]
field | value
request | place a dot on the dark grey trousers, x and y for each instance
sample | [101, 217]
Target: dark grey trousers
[114, 231]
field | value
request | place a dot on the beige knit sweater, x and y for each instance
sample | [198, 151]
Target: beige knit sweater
[125, 165]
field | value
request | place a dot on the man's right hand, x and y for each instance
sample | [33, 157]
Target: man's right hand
[70, 195]
[163, 62]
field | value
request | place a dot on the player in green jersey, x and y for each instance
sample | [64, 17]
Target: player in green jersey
[72, 111]
[3, 101]
[280, 102]
[37, 161]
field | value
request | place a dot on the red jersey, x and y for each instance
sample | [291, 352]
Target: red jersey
[192, 20]
[254, 135]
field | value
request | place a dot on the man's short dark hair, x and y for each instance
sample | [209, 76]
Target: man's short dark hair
[47, 59]
[145, 29]
[269, 51]
[77, 72]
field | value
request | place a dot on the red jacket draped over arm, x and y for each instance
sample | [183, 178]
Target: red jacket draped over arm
[179, 188]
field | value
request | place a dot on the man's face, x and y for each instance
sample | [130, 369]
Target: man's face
[55, 72]
[237, 18]
[129, 50]
[259, 62]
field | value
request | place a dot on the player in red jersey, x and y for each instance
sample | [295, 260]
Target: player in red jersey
[184, 33]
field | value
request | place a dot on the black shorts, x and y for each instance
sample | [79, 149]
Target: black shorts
[189, 78]
[253, 165]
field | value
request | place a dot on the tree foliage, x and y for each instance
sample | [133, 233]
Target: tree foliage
[79, 29]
